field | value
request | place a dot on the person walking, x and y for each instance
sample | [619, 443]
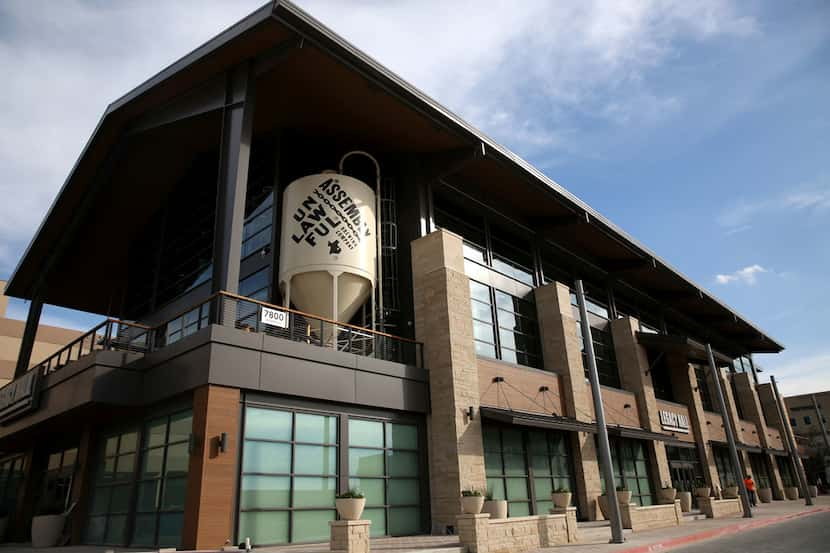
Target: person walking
[750, 489]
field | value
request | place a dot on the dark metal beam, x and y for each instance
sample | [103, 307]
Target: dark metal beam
[547, 225]
[234, 156]
[439, 165]
[27, 343]
[622, 266]
[677, 295]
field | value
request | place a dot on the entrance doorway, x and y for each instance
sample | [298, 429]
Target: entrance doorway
[685, 469]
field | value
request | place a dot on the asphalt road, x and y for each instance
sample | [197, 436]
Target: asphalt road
[809, 534]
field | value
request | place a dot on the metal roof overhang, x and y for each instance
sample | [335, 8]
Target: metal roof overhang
[555, 422]
[499, 173]
[683, 345]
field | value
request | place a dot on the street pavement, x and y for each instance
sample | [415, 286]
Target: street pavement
[808, 534]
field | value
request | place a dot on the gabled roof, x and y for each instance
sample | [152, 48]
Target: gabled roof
[278, 21]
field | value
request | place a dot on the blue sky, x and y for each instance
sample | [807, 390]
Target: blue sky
[702, 128]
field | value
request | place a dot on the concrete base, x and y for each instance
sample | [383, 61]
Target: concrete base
[720, 508]
[350, 536]
[479, 534]
[648, 518]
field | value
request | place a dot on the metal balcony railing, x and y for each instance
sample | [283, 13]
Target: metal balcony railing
[245, 314]
[110, 335]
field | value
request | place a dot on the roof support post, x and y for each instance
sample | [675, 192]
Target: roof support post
[730, 434]
[821, 423]
[788, 431]
[27, 343]
[602, 430]
[234, 155]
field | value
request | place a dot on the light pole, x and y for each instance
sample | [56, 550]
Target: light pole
[602, 430]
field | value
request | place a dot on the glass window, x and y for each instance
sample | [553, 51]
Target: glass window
[113, 479]
[386, 467]
[289, 461]
[723, 463]
[162, 480]
[602, 339]
[504, 326]
[517, 461]
[631, 468]
[11, 476]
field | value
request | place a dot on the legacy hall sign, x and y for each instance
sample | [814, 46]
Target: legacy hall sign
[675, 422]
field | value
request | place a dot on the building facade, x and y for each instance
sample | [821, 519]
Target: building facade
[210, 408]
[48, 340]
[808, 419]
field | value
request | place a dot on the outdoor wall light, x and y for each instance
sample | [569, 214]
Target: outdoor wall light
[708, 422]
[497, 379]
[627, 406]
[470, 412]
[544, 389]
[222, 442]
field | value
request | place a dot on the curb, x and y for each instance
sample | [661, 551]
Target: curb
[717, 532]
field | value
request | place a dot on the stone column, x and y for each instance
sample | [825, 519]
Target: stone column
[684, 383]
[212, 477]
[349, 536]
[754, 411]
[632, 362]
[562, 354]
[732, 412]
[443, 322]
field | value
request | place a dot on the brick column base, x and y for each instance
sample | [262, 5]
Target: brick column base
[472, 532]
[350, 536]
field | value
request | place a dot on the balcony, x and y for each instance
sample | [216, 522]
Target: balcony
[246, 314]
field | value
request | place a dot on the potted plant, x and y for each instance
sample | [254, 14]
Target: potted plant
[702, 489]
[791, 492]
[765, 495]
[471, 502]
[685, 501]
[497, 508]
[561, 497]
[730, 491]
[350, 504]
[623, 495]
[47, 525]
[666, 495]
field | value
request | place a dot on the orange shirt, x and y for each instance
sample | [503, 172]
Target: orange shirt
[750, 485]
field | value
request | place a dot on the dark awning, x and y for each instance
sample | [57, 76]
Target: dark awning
[555, 422]
[672, 343]
[738, 445]
[777, 452]
[552, 422]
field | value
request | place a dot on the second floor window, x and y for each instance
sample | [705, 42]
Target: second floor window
[703, 389]
[504, 326]
[603, 341]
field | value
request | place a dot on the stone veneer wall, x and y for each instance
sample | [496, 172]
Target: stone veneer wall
[443, 322]
[720, 508]
[651, 517]
[479, 534]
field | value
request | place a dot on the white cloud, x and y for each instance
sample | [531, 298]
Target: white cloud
[809, 198]
[804, 374]
[747, 275]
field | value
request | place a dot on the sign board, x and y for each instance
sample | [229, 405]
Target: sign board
[674, 422]
[274, 317]
[20, 395]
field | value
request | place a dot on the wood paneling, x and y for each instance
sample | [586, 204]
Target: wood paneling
[209, 506]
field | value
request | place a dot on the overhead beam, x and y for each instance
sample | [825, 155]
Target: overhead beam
[547, 225]
[622, 266]
[440, 165]
[677, 295]
[210, 95]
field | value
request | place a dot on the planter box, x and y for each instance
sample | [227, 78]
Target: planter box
[731, 492]
[496, 508]
[703, 492]
[561, 500]
[791, 493]
[472, 505]
[350, 508]
[765, 495]
[666, 496]
[47, 530]
[624, 497]
[813, 491]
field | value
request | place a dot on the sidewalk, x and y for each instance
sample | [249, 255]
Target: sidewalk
[696, 531]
